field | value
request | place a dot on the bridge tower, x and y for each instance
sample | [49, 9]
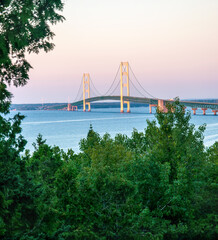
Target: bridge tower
[124, 82]
[86, 89]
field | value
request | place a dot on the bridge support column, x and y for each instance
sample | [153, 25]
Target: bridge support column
[204, 111]
[74, 108]
[124, 71]
[128, 106]
[150, 107]
[214, 111]
[194, 110]
[68, 107]
[162, 106]
[86, 89]
[89, 107]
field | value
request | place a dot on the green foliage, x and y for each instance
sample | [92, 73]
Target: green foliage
[24, 27]
[160, 184]
[131, 188]
[17, 192]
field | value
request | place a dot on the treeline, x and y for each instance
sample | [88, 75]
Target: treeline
[33, 106]
[156, 184]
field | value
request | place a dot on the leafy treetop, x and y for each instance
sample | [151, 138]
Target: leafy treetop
[24, 28]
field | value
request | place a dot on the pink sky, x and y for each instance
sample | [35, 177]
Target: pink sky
[172, 46]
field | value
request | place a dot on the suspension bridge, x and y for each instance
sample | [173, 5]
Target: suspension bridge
[119, 90]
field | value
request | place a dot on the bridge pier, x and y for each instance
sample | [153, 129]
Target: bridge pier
[194, 110]
[162, 106]
[150, 107]
[204, 110]
[214, 111]
[68, 107]
[128, 106]
[74, 108]
[89, 107]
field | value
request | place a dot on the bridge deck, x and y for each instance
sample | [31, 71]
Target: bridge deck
[213, 106]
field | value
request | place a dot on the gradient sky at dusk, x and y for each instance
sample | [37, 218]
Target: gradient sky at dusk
[172, 46]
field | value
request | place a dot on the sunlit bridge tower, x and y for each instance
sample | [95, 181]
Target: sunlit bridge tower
[86, 91]
[124, 82]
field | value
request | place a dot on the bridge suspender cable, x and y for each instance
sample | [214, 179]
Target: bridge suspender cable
[140, 83]
[137, 88]
[98, 93]
[79, 91]
[115, 88]
[112, 82]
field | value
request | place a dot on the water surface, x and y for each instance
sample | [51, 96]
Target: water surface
[66, 129]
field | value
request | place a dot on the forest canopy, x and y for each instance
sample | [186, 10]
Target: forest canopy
[156, 184]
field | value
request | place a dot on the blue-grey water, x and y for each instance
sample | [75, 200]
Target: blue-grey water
[66, 129]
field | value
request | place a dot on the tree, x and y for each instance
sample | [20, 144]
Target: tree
[174, 180]
[128, 187]
[24, 28]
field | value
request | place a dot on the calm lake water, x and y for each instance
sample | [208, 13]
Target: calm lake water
[66, 129]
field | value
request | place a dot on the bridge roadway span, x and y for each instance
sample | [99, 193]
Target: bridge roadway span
[213, 106]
